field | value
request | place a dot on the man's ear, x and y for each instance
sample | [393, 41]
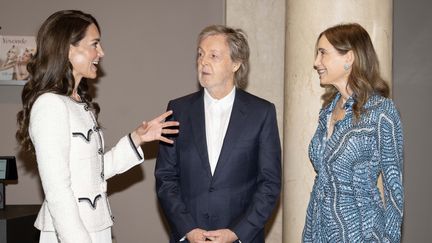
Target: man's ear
[236, 66]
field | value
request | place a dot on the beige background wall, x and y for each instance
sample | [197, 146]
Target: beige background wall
[264, 23]
[149, 59]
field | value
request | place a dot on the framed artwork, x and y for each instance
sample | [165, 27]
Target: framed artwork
[15, 53]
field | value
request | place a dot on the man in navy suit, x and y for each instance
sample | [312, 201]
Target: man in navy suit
[221, 179]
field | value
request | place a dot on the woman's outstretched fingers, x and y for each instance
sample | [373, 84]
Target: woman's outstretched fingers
[155, 129]
[162, 117]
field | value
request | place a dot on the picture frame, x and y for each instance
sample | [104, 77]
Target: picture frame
[8, 172]
[15, 53]
[8, 168]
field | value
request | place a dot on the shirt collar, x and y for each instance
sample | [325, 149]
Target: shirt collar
[226, 101]
[347, 106]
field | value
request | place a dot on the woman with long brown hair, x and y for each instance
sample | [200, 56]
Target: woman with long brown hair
[359, 137]
[59, 123]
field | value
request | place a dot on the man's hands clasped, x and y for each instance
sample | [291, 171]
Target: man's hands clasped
[218, 236]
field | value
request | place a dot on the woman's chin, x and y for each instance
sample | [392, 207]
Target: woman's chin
[91, 76]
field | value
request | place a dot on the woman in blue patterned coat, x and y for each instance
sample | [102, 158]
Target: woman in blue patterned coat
[359, 137]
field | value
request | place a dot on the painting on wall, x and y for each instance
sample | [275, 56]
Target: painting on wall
[15, 53]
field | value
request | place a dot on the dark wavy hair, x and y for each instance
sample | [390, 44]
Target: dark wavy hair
[239, 49]
[364, 79]
[50, 69]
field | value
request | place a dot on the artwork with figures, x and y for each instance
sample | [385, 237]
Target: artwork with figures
[15, 53]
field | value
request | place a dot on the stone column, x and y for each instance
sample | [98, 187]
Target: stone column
[264, 23]
[305, 19]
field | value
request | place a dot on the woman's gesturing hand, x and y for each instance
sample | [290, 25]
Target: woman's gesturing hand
[154, 130]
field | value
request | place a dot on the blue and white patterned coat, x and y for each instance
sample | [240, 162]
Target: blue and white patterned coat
[345, 203]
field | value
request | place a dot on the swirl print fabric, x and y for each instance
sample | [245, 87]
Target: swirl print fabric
[345, 204]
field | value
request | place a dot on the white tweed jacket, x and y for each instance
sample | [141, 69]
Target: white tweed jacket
[74, 167]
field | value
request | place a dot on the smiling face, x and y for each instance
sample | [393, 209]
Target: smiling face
[215, 67]
[329, 64]
[86, 55]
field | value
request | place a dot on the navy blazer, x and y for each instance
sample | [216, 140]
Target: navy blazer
[246, 183]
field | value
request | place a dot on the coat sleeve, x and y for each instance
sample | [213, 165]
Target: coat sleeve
[390, 142]
[168, 189]
[50, 133]
[268, 181]
[123, 156]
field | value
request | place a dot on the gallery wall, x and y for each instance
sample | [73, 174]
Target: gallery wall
[412, 85]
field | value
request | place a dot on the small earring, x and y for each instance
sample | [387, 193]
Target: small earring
[346, 66]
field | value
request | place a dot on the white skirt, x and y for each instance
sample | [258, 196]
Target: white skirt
[103, 236]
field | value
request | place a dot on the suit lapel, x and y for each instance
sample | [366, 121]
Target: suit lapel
[197, 121]
[234, 130]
